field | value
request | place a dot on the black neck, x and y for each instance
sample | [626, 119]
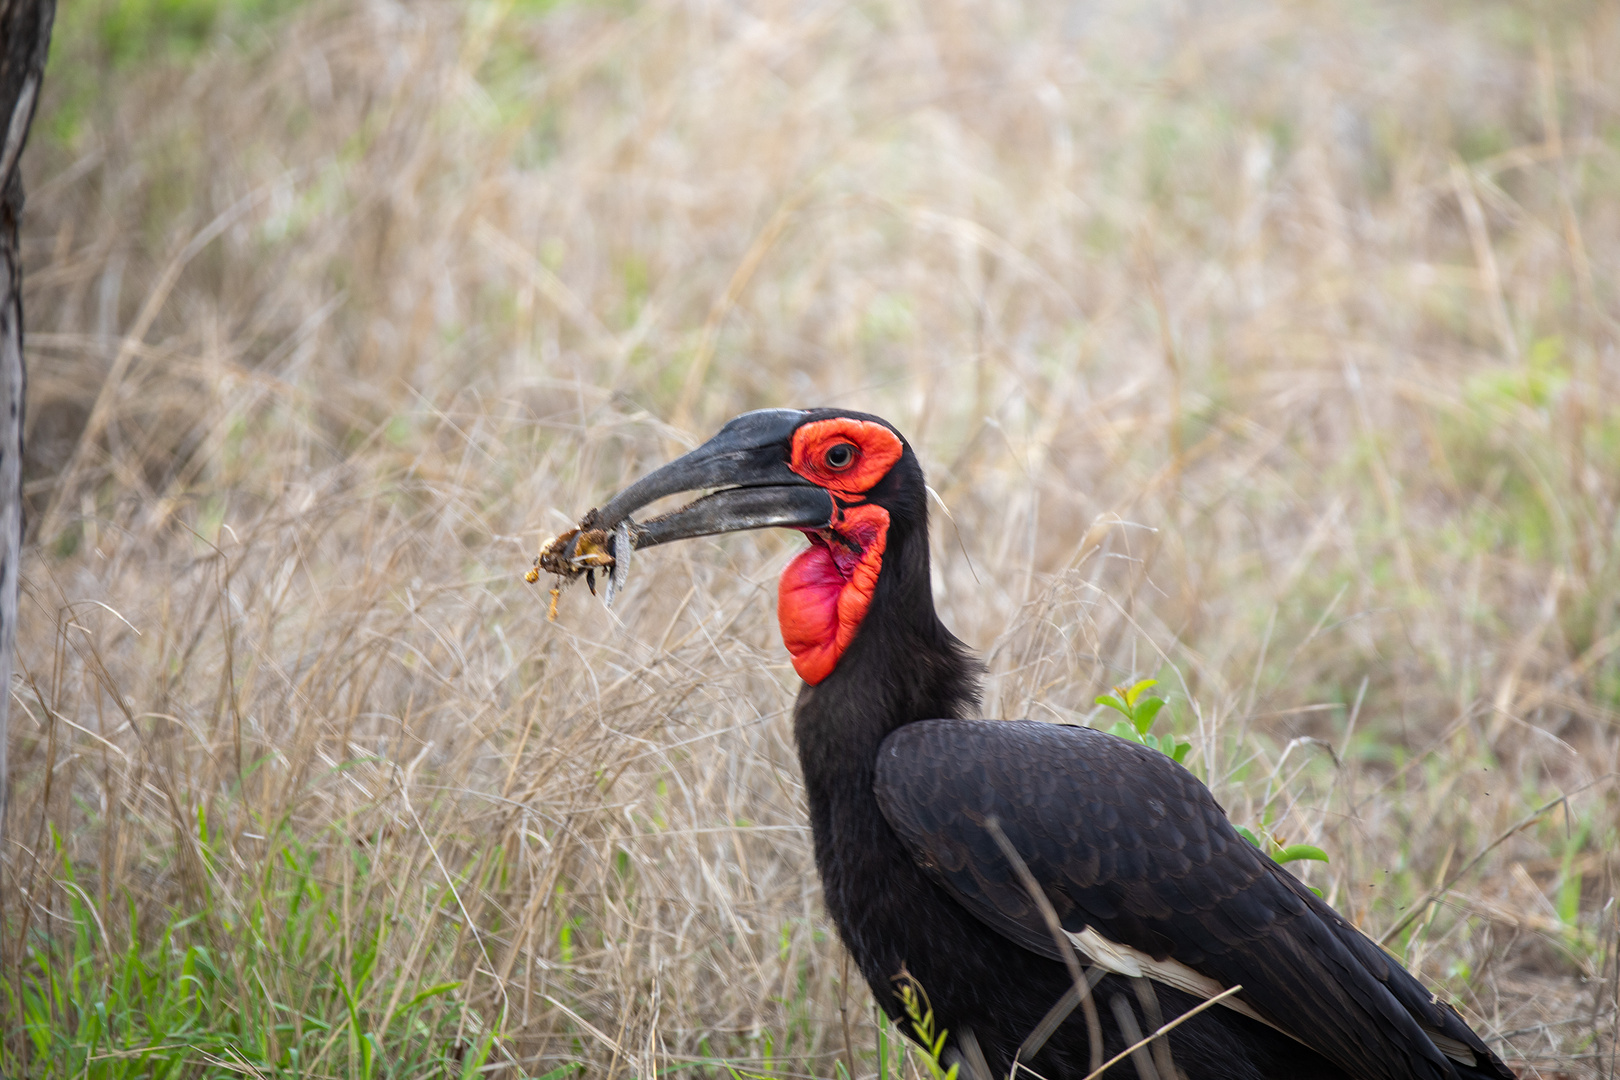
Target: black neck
[903, 665]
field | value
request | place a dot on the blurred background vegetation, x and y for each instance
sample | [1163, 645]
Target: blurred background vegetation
[1268, 350]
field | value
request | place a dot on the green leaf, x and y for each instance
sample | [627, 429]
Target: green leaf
[1569, 899]
[1300, 851]
[370, 1051]
[1180, 755]
[1249, 836]
[475, 1061]
[1136, 690]
[1113, 703]
[1125, 731]
[1143, 713]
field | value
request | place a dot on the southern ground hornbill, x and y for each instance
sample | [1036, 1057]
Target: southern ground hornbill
[933, 830]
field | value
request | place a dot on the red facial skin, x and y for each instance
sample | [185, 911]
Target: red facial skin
[826, 589]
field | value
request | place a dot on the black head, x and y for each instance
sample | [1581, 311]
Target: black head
[847, 480]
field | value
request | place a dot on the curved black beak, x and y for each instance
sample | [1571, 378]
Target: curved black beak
[748, 461]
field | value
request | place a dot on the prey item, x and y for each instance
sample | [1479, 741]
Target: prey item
[583, 550]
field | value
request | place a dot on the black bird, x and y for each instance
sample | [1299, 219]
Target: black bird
[927, 823]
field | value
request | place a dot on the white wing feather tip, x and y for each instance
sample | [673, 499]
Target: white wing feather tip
[1133, 963]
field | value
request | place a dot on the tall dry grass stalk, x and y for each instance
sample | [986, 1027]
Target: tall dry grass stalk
[1267, 349]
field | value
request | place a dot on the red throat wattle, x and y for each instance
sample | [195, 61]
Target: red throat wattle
[826, 589]
[825, 592]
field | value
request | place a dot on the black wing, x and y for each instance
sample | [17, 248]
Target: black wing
[1126, 842]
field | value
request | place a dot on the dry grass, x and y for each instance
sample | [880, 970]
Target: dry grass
[1267, 349]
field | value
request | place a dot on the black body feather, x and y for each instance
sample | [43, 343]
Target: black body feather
[1123, 840]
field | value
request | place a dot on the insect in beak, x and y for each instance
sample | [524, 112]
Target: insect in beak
[584, 551]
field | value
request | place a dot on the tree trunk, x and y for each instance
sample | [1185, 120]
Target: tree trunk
[25, 38]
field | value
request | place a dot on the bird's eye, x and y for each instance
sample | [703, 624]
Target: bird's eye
[840, 456]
